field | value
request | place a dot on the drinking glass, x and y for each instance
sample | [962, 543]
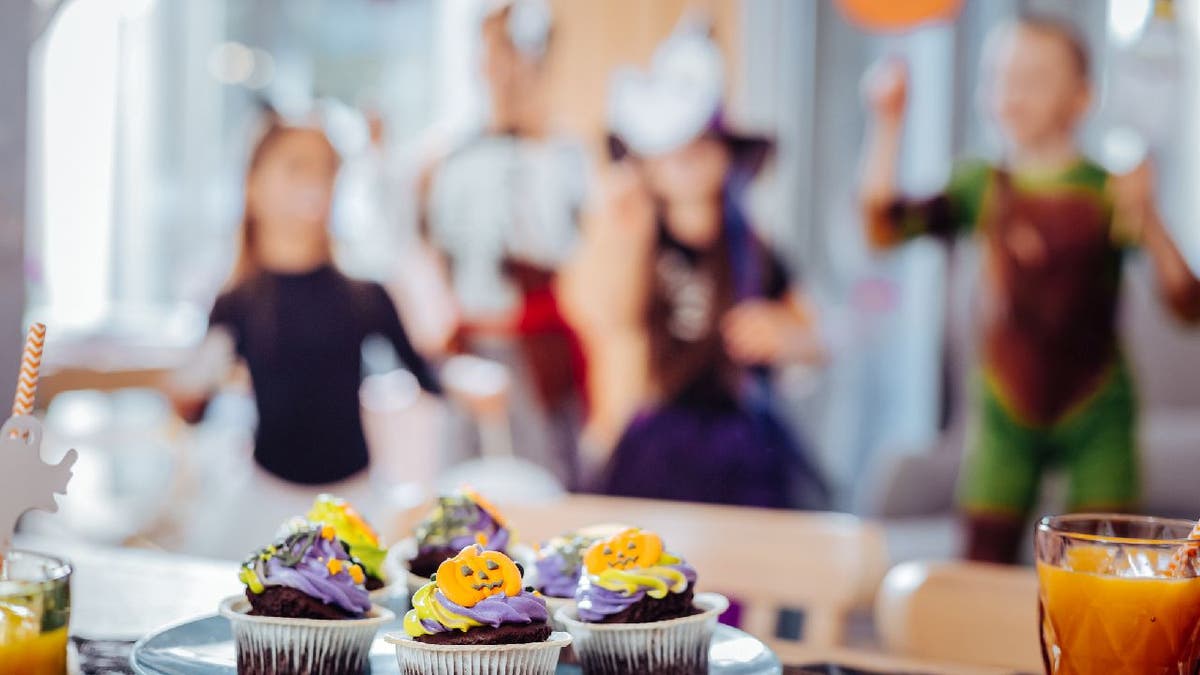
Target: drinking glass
[35, 606]
[1109, 602]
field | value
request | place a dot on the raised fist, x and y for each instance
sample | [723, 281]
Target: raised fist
[885, 89]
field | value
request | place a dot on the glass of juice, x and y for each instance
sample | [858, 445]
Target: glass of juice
[35, 606]
[1108, 603]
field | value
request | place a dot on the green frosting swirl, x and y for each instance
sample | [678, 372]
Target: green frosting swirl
[360, 539]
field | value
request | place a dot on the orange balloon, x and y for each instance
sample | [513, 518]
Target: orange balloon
[891, 15]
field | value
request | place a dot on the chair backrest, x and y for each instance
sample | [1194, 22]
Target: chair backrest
[971, 613]
[824, 563]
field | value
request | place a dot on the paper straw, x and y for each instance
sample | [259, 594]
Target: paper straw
[1185, 552]
[31, 363]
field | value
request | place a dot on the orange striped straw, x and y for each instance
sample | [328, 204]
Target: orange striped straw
[1184, 553]
[31, 363]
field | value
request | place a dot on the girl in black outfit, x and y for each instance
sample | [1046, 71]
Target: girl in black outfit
[297, 321]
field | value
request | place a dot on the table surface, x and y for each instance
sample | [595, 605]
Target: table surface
[119, 595]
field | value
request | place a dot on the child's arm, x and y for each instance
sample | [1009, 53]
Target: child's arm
[390, 326]
[773, 332]
[1176, 281]
[605, 285]
[603, 291]
[190, 387]
[889, 217]
[886, 91]
[1134, 195]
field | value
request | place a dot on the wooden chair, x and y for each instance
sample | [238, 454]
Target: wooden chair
[823, 563]
[970, 613]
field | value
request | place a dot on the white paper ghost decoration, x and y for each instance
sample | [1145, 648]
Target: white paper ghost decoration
[26, 482]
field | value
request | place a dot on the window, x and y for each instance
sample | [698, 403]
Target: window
[141, 114]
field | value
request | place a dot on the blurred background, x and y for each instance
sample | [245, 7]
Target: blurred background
[125, 129]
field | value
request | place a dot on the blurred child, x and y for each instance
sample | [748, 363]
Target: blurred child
[1054, 388]
[681, 308]
[501, 211]
[297, 321]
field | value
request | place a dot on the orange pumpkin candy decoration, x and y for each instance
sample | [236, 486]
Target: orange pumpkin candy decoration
[631, 549]
[475, 574]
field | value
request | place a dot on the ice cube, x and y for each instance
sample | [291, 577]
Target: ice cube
[20, 618]
[1133, 562]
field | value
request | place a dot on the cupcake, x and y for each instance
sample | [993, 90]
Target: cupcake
[305, 608]
[636, 610]
[460, 519]
[474, 617]
[359, 538]
[559, 561]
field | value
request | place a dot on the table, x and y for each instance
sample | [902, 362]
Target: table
[877, 662]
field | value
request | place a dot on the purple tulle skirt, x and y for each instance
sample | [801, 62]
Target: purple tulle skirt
[724, 456]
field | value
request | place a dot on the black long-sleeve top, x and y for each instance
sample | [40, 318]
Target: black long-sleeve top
[301, 336]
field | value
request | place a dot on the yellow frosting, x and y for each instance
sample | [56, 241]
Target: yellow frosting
[426, 606]
[338, 513]
[634, 560]
[657, 581]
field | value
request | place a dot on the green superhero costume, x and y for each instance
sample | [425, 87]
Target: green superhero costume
[1053, 388]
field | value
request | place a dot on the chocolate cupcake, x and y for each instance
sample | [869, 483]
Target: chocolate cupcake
[459, 519]
[474, 616]
[305, 608]
[636, 610]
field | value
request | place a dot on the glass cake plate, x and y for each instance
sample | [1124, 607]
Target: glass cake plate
[204, 646]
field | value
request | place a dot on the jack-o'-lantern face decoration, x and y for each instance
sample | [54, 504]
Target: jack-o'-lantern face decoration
[630, 549]
[475, 574]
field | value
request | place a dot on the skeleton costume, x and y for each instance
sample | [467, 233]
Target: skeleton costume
[712, 435]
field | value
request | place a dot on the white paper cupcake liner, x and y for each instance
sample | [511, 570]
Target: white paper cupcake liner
[393, 596]
[268, 644]
[555, 604]
[532, 658]
[675, 646]
[387, 591]
[414, 582]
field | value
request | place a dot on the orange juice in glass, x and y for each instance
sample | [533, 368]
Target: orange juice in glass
[1108, 604]
[35, 606]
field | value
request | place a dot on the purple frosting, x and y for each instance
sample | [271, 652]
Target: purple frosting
[556, 577]
[524, 607]
[310, 575]
[457, 522]
[495, 537]
[594, 602]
